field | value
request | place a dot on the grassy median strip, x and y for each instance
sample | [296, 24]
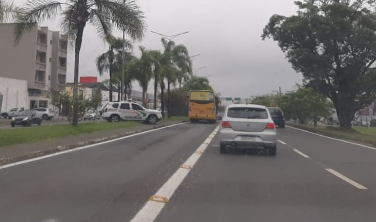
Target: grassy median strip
[38, 133]
[359, 134]
[175, 118]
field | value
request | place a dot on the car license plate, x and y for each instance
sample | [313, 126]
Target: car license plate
[249, 138]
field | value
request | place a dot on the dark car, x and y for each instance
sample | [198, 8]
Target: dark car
[26, 118]
[277, 116]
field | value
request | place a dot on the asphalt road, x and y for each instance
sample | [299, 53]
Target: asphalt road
[312, 178]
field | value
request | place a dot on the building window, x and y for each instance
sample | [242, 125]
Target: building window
[51, 42]
[50, 60]
[40, 76]
[63, 62]
[49, 77]
[43, 103]
[61, 79]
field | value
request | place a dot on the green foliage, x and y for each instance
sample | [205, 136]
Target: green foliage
[63, 101]
[305, 104]
[265, 100]
[333, 44]
[197, 83]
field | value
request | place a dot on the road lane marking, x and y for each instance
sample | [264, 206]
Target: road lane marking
[352, 143]
[151, 209]
[300, 153]
[282, 142]
[83, 147]
[348, 180]
[159, 199]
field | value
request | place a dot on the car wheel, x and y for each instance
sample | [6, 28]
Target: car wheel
[114, 118]
[40, 122]
[194, 120]
[222, 148]
[12, 125]
[29, 123]
[5, 116]
[282, 126]
[273, 151]
[152, 119]
[45, 117]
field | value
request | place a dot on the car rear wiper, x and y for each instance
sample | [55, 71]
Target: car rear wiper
[253, 117]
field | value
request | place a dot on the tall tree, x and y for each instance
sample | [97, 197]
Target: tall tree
[157, 58]
[142, 68]
[333, 44]
[177, 56]
[103, 14]
[198, 83]
[7, 9]
[105, 62]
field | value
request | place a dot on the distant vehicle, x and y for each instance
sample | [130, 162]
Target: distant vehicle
[117, 111]
[44, 113]
[26, 118]
[92, 115]
[277, 116]
[11, 113]
[248, 126]
[202, 106]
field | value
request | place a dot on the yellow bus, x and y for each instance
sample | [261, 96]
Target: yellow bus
[202, 106]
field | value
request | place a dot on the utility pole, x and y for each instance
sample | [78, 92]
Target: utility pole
[280, 91]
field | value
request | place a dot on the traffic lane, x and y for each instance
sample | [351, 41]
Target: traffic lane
[108, 182]
[355, 162]
[288, 187]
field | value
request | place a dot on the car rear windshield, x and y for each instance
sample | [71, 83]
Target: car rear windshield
[247, 113]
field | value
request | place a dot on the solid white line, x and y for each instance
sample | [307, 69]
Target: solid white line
[81, 148]
[282, 142]
[151, 209]
[352, 143]
[300, 153]
[348, 180]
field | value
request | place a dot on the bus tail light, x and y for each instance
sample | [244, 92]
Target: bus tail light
[226, 124]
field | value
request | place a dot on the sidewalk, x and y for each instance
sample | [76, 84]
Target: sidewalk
[15, 153]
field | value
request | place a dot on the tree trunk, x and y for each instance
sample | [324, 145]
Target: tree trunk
[155, 91]
[119, 93]
[125, 92]
[111, 61]
[345, 107]
[77, 50]
[162, 98]
[168, 99]
[143, 97]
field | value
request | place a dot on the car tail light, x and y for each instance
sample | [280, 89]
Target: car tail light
[270, 126]
[226, 124]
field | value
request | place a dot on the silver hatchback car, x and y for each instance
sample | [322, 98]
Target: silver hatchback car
[248, 126]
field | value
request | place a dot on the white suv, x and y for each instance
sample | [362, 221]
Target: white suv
[44, 113]
[116, 111]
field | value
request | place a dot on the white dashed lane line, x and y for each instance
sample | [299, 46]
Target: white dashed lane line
[348, 180]
[282, 142]
[301, 153]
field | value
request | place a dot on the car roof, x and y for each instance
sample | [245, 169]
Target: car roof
[246, 105]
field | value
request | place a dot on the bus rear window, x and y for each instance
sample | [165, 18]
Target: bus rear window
[202, 96]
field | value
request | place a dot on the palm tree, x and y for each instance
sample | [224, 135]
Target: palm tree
[105, 62]
[6, 10]
[141, 68]
[103, 14]
[198, 83]
[176, 56]
[157, 58]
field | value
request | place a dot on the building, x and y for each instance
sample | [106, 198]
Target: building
[13, 93]
[40, 58]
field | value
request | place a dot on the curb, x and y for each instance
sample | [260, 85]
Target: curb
[368, 142]
[9, 160]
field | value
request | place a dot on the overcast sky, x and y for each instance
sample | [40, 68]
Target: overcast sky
[225, 32]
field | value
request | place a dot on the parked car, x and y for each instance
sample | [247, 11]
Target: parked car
[92, 115]
[126, 110]
[26, 118]
[248, 126]
[44, 113]
[12, 113]
[277, 116]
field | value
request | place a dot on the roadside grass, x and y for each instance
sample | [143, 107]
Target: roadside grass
[359, 134]
[175, 118]
[366, 130]
[38, 133]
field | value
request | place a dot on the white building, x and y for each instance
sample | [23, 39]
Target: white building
[14, 94]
